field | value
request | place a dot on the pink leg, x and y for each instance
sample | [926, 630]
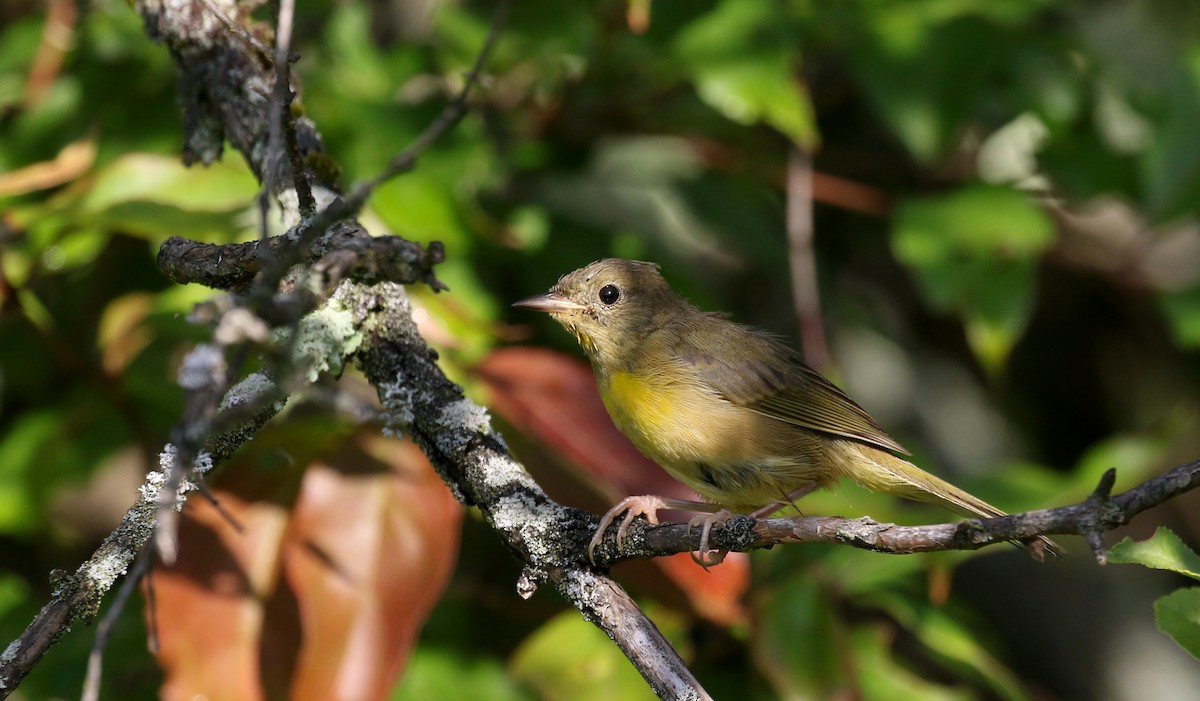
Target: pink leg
[706, 557]
[635, 506]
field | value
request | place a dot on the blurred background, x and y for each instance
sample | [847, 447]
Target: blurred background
[981, 219]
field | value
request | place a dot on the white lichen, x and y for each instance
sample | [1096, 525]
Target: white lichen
[202, 367]
[500, 471]
[462, 420]
[397, 398]
[248, 390]
[104, 571]
[324, 339]
[151, 488]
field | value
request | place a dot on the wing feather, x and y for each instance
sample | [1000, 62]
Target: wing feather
[765, 376]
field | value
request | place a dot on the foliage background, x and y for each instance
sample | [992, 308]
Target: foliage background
[1007, 249]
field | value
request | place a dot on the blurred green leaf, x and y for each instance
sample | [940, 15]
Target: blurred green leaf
[1178, 615]
[951, 640]
[21, 452]
[569, 658]
[974, 253]
[143, 177]
[1182, 309]
[434, 674]
[1172, 163]
[1162, 551]
[794, 645]
[882, 678]
[745, 64]
[925, 64]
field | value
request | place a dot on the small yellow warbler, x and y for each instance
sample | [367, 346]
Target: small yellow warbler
[729, 411]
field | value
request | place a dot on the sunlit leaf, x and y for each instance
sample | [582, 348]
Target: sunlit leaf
[745, 65]
[1162, 551]
[322, 594]
[370, 554]
[210, 607]
[974, 253]
[571, 658]
[142, 177]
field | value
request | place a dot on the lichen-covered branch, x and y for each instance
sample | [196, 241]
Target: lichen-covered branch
[77, 596]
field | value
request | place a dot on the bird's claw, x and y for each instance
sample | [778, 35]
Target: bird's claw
[633, 507]
[705, 556]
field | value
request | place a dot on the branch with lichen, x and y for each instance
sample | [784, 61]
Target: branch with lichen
[77, 596]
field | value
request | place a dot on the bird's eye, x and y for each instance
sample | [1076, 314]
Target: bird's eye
[609, 294]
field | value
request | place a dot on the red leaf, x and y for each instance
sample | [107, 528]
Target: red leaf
[369, 559]
[364, 554]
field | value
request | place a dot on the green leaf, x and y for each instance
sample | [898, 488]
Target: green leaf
[434, 674]
[744, 64]
[792, 648]
[974, 253]
[569, 658]
[882, 678]
[949, 640]
[142, 177]
[1171, 167]
[1178, 615]
[1182, 309]
[1162, 551]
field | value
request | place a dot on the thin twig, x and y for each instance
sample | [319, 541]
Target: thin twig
[282, 125]
[1090, 518]
[95, 665]
[406, 160]
[805, 291]
[77, 596]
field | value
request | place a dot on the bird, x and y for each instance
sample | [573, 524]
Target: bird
[730, 411]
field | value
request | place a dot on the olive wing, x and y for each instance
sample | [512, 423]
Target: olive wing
[765, 376]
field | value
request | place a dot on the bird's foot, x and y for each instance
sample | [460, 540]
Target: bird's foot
[705, 556]
[633, 507]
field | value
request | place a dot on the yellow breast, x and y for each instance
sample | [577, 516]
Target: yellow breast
[722, 451]
[672, 419]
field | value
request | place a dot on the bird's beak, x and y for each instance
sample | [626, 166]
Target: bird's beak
[549, 303]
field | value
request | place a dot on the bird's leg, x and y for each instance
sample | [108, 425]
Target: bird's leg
[706, 557]
[790, 498]
[635, 506]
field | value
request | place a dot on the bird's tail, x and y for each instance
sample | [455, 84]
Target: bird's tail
[883, 472]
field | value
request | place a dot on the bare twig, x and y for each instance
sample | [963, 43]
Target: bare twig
[95, 666]
[406, 160]
[282, 127]
[803, 260]
[1091, 518]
